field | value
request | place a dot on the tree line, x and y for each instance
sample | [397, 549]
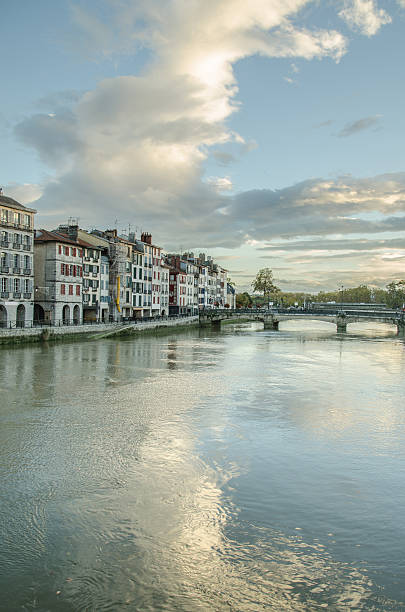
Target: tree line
[265, 291]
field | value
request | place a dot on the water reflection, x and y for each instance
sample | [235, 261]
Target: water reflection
[205, 470]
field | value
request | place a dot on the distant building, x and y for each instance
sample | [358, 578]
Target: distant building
[16, 263]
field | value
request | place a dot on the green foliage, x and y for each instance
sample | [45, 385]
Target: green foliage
[396, 294]
[243, 300]
[393, 296]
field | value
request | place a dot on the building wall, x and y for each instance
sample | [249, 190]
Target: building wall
[16, 265]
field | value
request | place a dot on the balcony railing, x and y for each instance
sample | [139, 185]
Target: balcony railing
[27, 296]
[4, 269]
[4, 294]
[4, 243]
[16, 270]
[26, 247]
[17, 245]
[27, 271]
[16, 294]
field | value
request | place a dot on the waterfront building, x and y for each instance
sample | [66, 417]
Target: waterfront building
[91, 282]
[146, 239]
[104, 308]
[16, 262]
[58, 278]
[137, 278]
[177, 285]
[164, 287]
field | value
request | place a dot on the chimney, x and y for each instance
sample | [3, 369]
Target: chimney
[147, 238]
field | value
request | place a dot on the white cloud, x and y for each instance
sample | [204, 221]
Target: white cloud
[27, 193]
[135, 146]
[364, 16]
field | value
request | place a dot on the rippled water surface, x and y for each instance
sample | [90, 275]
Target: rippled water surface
[235, 470]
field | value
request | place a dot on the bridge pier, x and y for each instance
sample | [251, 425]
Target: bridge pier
[270, 322]
[341, 324]
[401, 327]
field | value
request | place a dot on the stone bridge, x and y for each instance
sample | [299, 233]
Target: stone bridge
[272, 318]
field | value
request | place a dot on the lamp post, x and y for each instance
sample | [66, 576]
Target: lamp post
[341, 297]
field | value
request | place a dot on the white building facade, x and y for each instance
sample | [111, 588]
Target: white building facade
[16, 263]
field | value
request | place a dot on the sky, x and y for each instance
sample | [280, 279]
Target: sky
[267, 133]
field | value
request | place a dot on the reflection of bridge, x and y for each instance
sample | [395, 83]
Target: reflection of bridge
[272, 317]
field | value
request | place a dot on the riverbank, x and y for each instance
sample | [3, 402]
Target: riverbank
[10, 337]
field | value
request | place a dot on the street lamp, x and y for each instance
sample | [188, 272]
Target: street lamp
[341, 297]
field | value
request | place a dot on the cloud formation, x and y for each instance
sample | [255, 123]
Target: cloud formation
[135, 147]
[364, 16]
[138, 144]
[359, 126]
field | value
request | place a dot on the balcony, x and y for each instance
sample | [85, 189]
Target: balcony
[94, 274]
[4, 294]
[27, 271]
[17, 245]
[86, 258]
[4, 243]
[4, 269]
[27, 296]
[16, 295]
[26, 247]
[16, 270]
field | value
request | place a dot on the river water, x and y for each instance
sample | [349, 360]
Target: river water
[236, 470]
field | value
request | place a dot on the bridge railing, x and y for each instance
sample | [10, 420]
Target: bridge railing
[388, 313]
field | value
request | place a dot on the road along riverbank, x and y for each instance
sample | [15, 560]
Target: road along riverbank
[10, 337]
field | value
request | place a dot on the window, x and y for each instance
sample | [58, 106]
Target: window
[66, 250]
[16, 285]
[27, 220]
[59, 249]
[77, 289]
[70, 289]
[16, 261]
[4, 284]
[62, 289]
[27, 287]
[72, 271]
[62, 268]
[74, 252]
[27, 262]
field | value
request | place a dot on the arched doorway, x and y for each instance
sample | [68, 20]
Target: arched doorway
[163, 313]
[39, 314]
[76, 315]
[20, 319]
[66, 315]
[3, 316]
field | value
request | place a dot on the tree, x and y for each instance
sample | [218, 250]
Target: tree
[263, 283]
[396, 294]
[243, 300]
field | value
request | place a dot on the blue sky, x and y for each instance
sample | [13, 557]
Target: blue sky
[268, 133]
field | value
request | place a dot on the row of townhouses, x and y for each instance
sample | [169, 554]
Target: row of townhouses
[69, 275]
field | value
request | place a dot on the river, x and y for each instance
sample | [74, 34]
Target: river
[239, 470]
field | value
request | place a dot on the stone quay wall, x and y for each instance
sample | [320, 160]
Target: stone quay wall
[95, 331]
